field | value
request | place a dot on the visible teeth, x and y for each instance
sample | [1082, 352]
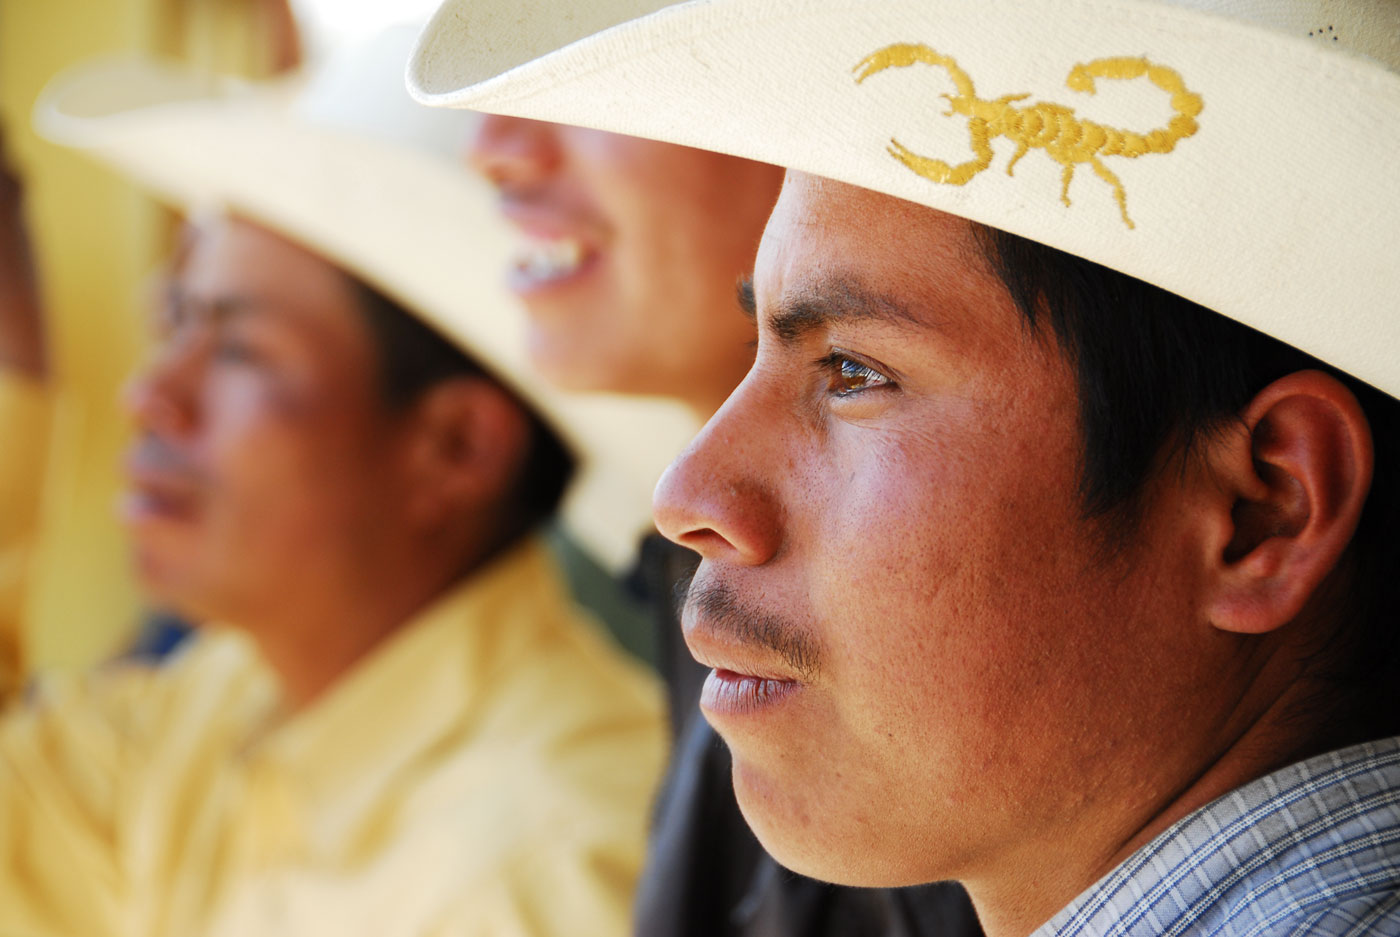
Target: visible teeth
[542, 261]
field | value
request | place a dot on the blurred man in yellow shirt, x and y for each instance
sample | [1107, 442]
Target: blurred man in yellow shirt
[23, 415]
[404, 726]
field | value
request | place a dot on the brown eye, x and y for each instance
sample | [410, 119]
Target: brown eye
[847, 376]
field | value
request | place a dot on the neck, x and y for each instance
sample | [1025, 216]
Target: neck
[314, 642]
[315, 653]
[1046, 876]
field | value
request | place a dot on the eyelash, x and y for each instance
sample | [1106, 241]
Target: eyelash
[840, 367]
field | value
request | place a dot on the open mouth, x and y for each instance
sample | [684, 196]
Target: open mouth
[540, 262]
[145, 503]
[157, 487]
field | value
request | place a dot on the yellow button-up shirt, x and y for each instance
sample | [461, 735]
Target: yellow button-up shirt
[23, 439]
[486, 771]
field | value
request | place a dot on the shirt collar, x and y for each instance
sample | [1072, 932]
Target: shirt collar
[341, 753]
[1301, 838]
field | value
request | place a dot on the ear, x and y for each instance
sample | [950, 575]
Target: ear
[469, 437]
[1293, 482]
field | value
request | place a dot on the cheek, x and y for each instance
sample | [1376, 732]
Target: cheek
[890, 587]
[683, 254]
[942, 561]
[282, 462]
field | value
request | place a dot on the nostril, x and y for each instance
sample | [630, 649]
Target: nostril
[703, 541]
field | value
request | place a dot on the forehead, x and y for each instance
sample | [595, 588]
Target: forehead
[224, 255]
[826, 236]
[235, 271]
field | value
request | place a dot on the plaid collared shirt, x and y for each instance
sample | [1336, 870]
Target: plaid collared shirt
[1312, 849]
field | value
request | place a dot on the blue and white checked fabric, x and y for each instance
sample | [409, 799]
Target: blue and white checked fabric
[1313, 849]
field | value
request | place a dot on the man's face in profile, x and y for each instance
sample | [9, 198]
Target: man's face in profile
[263, 463]
[923, 654]
[629, 253]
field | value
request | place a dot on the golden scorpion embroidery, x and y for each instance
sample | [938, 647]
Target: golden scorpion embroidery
[1052, 127]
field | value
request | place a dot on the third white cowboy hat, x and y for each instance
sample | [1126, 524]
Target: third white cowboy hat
[1240, 153]
[343, 162]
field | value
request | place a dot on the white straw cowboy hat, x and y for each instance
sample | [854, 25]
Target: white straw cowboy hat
[1240, 153]
[345, 163]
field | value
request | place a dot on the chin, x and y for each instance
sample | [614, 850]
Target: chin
[171, 587]
[574, 368]
[159, 581]
[564, 375]
[561, 364]
[808, 830]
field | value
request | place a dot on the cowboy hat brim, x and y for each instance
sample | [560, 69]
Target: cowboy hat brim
[1244, 165]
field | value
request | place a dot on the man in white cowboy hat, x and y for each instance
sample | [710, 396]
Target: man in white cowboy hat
[339, 455]
[629, 256]
[1049, 544]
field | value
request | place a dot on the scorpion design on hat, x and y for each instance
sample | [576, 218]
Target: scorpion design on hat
[1052, 127]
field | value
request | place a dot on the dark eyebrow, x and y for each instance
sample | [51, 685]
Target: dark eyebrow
[180, 303]
[836, 299]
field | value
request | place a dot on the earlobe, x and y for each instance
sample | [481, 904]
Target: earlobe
[1296, 479]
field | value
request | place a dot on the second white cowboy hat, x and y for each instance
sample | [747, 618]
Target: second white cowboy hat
[1239, 153]
[345, 163]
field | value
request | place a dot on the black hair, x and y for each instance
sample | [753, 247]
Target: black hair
[1156, 373]
[413, 358]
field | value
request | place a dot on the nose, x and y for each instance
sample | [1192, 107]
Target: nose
[163, 397]
[720, 497]
[513, 151]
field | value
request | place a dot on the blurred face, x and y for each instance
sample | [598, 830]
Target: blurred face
[260, 476]
[629, 256]
[920, 656]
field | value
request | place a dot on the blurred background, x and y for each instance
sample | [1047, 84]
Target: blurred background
[96, 241]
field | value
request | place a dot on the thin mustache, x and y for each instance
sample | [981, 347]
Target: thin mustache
[682, 587]
[725, 613]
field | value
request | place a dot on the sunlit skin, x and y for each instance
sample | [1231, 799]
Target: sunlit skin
[927, 667]
[665, 233]
[271, 488]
